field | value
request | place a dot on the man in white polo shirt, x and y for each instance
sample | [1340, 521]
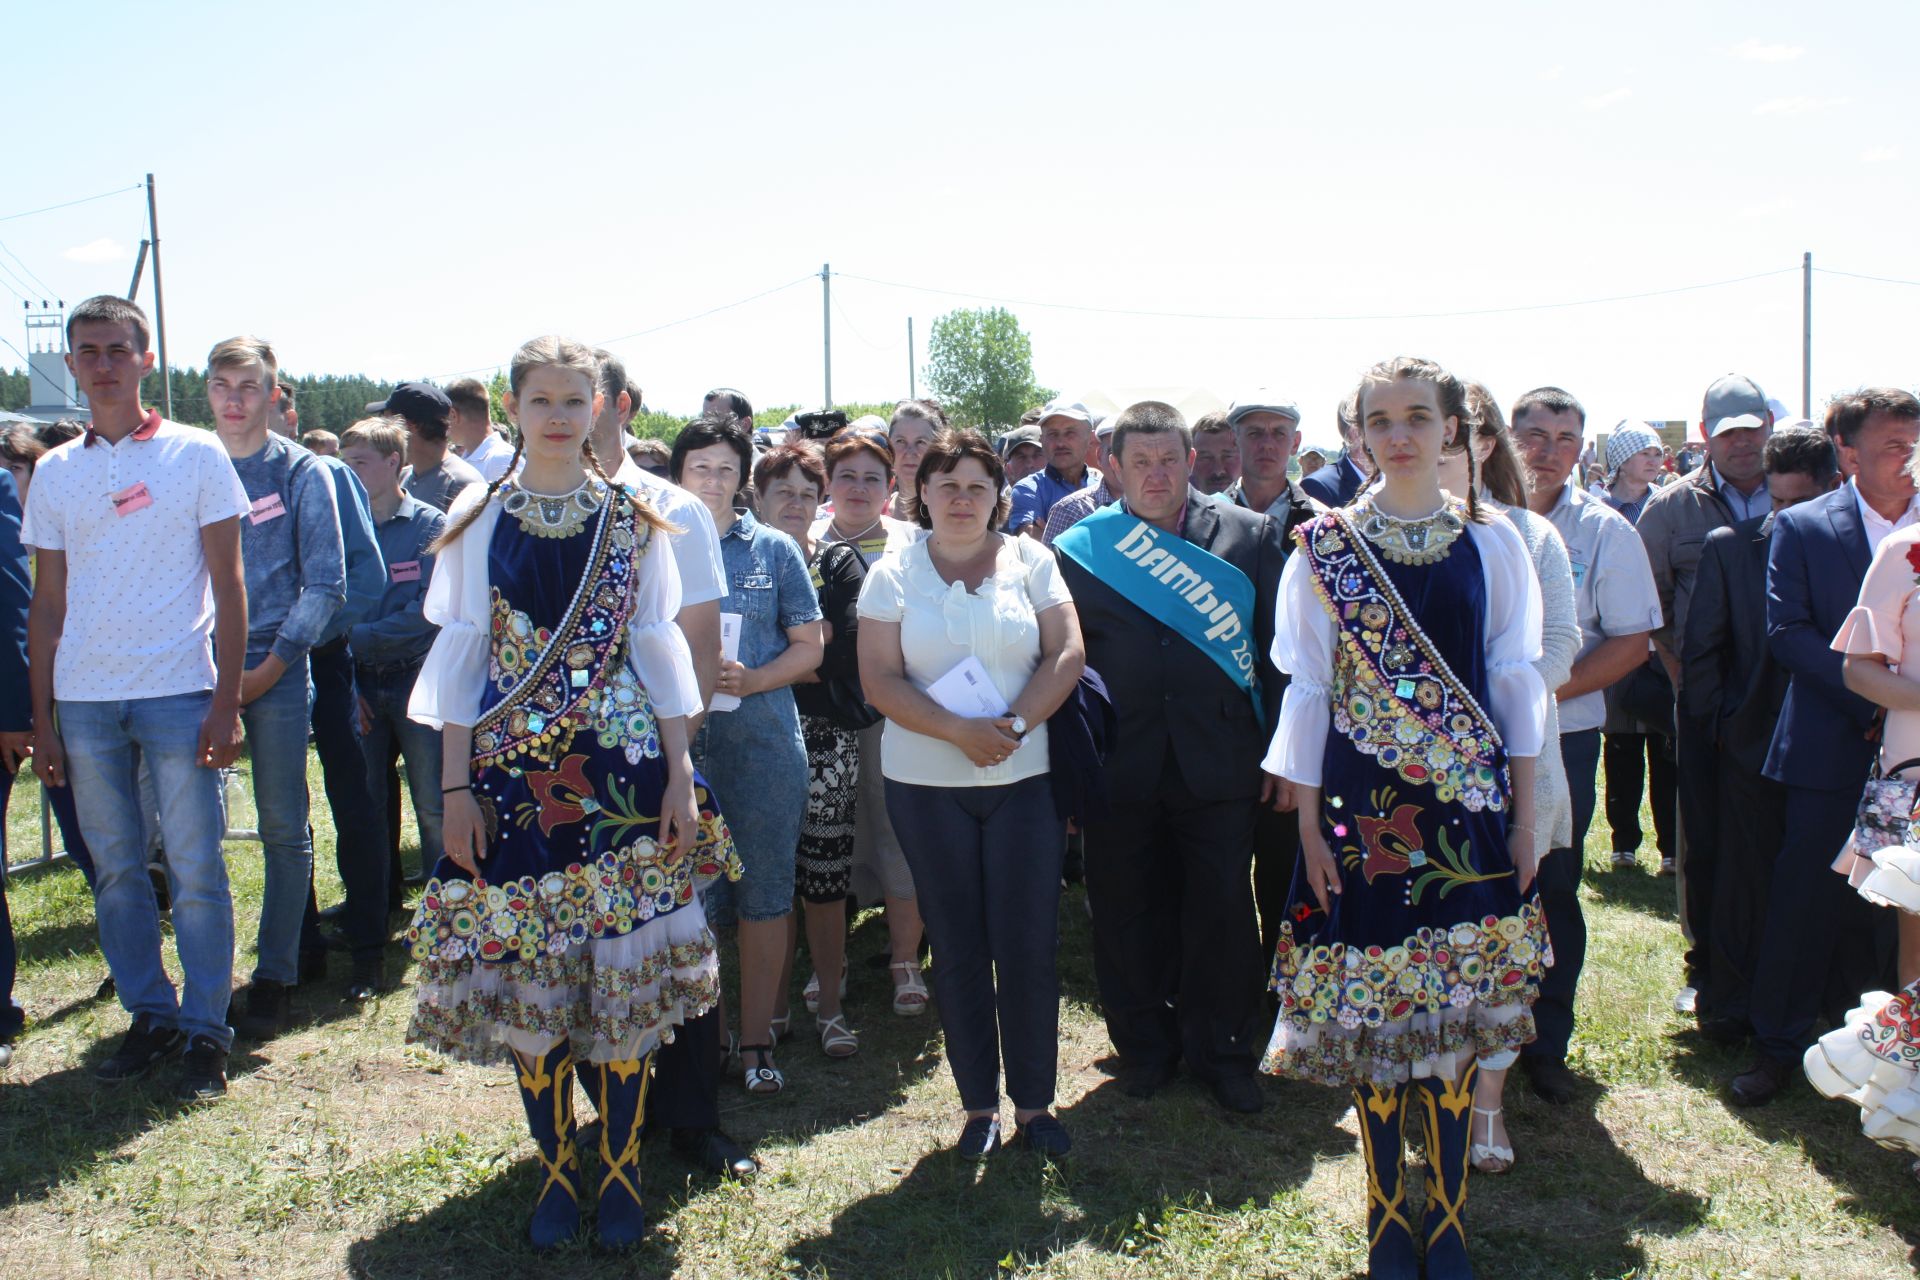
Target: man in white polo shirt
[137, 524]
[1618, 609]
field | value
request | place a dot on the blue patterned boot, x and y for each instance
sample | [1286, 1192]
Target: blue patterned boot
[1447, 1115]
[546, 1091]
[1390, 1251]
[620, 1091]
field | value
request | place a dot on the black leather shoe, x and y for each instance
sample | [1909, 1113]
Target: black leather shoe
[1239, 1094]
[203, 1071]
[335, 940]
[980, 1138]
[268, 1010]
[1045, 1136]
[1146, 1079]
[1723, 1030]
[1551, 1080]
[369, 980]
[715, 1152]
[332, 913]
[1757, 1085]
[146, 1043]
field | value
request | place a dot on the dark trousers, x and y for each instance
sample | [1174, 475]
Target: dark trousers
[685, 1093]
[1631, 761]
[12, 1016]
[986, 868]
[1752, 818]
[1817, 947]
[1276, 848]
[1560, 875]
[360, 839]
[1697, 758]
[1176, 949]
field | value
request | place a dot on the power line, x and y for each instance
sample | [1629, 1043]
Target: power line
[628, 337]
[856, 329]
[68, 204]
[1855, 275]
[1290, 319]
[49, 290]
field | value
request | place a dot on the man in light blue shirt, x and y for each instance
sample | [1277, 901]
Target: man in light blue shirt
[1066, 434]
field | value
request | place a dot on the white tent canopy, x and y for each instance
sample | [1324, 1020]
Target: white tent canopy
[1104, 402]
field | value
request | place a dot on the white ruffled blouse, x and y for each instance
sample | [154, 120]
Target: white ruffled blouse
[1305, 636]
[458, 601]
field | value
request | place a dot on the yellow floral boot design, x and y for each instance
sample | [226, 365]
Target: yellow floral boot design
[1390, 1251]
[546, 1091]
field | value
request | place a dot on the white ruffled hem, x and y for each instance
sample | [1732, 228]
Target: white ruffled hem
[1840, 1066]
[1894, 880]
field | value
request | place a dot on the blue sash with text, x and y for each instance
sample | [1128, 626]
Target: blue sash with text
[1186, 587]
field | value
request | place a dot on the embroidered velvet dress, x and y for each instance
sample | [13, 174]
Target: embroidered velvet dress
[1411, 684]
[557, 643]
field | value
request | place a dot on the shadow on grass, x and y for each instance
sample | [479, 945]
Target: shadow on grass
[76, 1120]
[1132, 1160]
[1876, 1182]
[1574, 1202]
[1634, 889]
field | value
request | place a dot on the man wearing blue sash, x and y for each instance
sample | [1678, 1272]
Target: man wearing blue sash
[1176, 596]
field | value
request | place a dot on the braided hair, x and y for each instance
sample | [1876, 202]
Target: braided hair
[542, 352]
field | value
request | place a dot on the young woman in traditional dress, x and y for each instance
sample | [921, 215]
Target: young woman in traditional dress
[1414, 946]
[562, 925]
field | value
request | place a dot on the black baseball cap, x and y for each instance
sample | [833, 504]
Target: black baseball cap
[416, 402]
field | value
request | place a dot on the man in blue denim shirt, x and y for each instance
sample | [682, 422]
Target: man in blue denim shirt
[360, 842]
[296, 582]
[1066, 432]
[389, 647]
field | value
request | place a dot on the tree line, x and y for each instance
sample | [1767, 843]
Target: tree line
[979, 366]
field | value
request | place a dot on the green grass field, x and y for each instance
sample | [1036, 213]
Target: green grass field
[339, 1151]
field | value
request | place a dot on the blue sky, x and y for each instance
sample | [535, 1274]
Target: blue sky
[408, 190]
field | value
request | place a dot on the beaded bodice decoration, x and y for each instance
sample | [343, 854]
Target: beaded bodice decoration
[1423, 540]
[554, 515]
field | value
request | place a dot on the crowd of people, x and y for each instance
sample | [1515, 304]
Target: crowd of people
[1325, 750]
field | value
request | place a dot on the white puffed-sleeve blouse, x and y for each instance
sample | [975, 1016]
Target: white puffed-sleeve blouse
[1305, 636]
[455, 673]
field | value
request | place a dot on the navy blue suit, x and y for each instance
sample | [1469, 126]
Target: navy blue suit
[1816, 951]
[1335, 484]
[16, 712]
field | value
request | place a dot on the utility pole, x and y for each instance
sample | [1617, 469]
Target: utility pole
[912, 392]
[826, 327]
[139, 263]
[159, 302]
[1806, 336]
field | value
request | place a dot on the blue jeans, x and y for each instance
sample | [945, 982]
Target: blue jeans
[277, 724]
[386, 690]
[105, 741]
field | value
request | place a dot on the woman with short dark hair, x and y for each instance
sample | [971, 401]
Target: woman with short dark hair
[969, 792]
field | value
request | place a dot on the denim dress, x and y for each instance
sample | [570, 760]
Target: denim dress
[754, 757]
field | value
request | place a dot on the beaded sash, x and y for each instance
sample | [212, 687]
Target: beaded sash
[1394, 696]
[557, 696]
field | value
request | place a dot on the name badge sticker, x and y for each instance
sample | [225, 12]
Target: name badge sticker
[267, 508]
[405, 571]
[131, 499]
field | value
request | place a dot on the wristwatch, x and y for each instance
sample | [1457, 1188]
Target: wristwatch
[1020, 727]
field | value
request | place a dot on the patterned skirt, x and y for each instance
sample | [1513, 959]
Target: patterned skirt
[825, 865]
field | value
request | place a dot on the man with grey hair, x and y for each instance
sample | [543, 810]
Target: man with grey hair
[1175, 594]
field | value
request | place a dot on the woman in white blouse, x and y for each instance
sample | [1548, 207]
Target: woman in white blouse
[1414, 943]
[967, 788]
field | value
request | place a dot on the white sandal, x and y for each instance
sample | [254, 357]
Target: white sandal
[909, 997]
[763, 1079]
[811, 992]
[1484, 1157]
[837, 1039]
